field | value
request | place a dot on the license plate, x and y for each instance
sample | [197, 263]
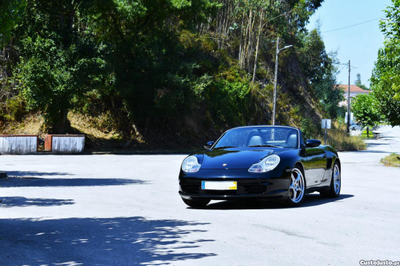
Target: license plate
[219, 185]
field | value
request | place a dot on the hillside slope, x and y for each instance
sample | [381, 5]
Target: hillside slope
[161, 74]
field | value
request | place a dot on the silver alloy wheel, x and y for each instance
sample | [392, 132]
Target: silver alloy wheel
[336, 179]
[297, 186]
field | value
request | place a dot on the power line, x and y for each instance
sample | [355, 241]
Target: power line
[283, 14]
[345, 65]
[342, 68]
[352, 25]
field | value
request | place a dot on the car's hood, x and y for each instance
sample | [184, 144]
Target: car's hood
[232, 158]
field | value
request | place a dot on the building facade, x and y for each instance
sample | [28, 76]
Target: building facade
[354, 91]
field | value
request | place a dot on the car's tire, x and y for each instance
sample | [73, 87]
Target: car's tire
[196, 203]
[297, 187]
[336, 183]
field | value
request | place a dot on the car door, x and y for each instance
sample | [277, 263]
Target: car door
[315, 165]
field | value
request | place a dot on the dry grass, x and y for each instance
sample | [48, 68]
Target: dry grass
[340, 140]
[92, 126]
[32, 124]
[101, 131]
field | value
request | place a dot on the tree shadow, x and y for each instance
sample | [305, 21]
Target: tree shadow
[383, 137]
[8, 202]
[95, 241]
[66, 182]
[377, 144]
[309, 201]
[372, 151]
[34, 173]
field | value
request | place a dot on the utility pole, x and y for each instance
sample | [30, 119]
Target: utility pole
[276, 80]
[276, 76]
[348, 103]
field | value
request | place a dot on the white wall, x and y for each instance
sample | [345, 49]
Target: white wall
[68, 144]
[18, 144]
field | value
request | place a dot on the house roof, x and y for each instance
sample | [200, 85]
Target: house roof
[353, 88]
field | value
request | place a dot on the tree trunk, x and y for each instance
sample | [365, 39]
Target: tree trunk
[258, 44]
[59, 123]
[242, 41]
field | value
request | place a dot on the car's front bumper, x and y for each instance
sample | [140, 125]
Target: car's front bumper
[271, 185]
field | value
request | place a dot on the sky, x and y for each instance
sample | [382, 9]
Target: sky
[359, 44]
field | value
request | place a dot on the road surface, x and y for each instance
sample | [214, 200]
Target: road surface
[125, 210]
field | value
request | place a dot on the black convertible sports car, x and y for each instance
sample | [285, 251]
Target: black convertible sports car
[269, 162]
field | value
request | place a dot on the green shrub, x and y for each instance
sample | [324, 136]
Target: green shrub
[391, 160]
[13, 109]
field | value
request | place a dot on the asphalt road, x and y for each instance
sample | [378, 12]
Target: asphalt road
[125, 210]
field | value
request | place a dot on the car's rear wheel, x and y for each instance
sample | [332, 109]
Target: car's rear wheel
[336, 184]
[297, 188]
[196, 203]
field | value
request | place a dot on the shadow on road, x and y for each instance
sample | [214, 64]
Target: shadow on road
[372, 151]
[316, 199]
[8, 202]
[66, 182]
[376, 144]
[91, 241]
[310, 201]
[34, 173]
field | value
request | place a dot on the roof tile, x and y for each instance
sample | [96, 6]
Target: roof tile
[353, 88]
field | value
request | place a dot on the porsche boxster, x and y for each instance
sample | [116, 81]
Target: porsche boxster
[267, 162]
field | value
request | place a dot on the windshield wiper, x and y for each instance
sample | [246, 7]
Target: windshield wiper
[266, 145]
[225, 147]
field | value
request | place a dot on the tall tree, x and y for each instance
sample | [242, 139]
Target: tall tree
[358, 80]
[60, 61]
[386, 74]
[319, 68]
[134, 52]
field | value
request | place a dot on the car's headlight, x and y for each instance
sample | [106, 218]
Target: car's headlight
[190, 165]
[267, 164]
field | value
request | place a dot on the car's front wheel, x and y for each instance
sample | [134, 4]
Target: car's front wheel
[196, 203]
[297, 188]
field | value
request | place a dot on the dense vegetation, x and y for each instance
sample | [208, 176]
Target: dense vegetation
[384, 103]
[386, 75]
[158, 70]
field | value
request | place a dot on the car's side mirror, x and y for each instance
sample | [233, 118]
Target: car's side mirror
[208, 145]
[313, 143]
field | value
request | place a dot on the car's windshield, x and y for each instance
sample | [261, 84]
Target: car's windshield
[259, 137]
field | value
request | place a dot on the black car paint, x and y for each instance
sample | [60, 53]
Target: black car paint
[233, 164]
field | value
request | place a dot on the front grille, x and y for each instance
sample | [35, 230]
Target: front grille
[243, 187]
[190, 187]
[221, 192]
[255, 189]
